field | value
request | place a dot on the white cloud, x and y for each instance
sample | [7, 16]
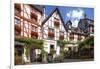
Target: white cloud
[75, 15]
[69, 14]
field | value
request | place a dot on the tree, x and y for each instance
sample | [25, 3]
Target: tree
[86, 48]
[87, 43]
[61, 42]
[29, 43]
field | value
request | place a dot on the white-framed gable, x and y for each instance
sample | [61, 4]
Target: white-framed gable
[50, 23]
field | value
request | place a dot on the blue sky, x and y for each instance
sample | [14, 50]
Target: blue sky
[71, 13]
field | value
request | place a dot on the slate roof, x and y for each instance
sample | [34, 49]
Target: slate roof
[82, 25]
[38, 7]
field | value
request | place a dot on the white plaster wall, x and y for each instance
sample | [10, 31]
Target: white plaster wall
[47, 44]
[27, 11]
[57, 34]
[75, 37]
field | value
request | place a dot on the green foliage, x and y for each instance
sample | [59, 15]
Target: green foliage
[27, 51]
[44, 55]
[62, 53]
[87, 43]
[29, 42]
[52, 51]
[61, 42]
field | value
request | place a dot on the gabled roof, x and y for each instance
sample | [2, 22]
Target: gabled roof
[69, 22]
[56, 9]
[87, 20]
[38, 8]
[85, 23]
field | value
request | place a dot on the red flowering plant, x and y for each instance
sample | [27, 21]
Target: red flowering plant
[33, 33]
[51, 34]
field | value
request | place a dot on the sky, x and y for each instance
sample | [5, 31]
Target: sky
[71, 13]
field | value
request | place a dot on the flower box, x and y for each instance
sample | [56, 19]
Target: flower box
[33, 33]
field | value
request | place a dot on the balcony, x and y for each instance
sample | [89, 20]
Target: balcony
[34, 34]
[17, 27]
[61, 37]
[51, 34]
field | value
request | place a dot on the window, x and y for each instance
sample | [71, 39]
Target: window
[51, 46]
[51, 30]
[33, 16]
[17, 8]
[56, 22]
[79, 37]
[51, 23]
[69, 48]
[17, 21]
[34, 33]
[61, 33]
[34, 29]
[17, 26]
[71, 37]
[92, 30]
[50, 33]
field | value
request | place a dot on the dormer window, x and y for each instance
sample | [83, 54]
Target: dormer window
[69, 26]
